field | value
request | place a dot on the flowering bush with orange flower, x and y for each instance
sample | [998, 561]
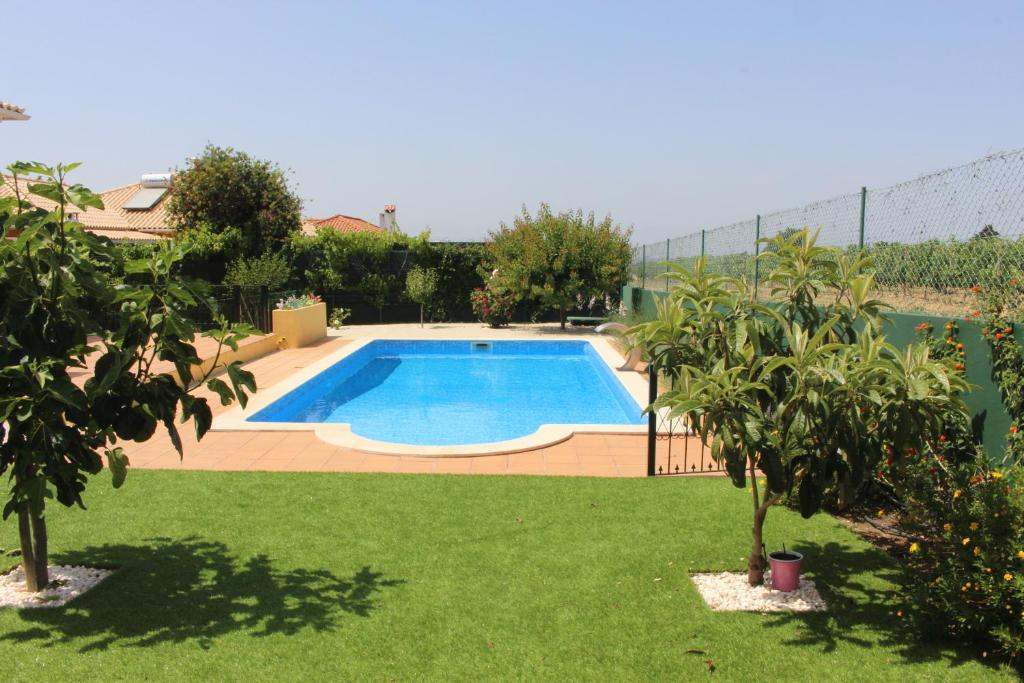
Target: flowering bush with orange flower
[967, 575]
[964, 514]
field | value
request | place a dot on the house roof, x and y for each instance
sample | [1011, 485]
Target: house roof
[339, 222]
[109, 221]
[12, 112]
[153, 220]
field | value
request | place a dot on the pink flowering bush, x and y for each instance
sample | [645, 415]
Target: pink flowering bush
[492, 306]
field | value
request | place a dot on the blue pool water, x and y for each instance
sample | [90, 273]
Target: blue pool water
[439, 393]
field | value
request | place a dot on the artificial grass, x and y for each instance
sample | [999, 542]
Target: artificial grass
[257, 576]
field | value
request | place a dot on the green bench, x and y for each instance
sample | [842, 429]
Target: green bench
[577, 320]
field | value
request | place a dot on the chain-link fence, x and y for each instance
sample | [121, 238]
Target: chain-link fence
[931, 239]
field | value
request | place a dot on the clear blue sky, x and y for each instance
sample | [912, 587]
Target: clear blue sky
[670, 116]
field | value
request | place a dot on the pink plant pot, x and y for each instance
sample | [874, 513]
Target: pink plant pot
[785, 565]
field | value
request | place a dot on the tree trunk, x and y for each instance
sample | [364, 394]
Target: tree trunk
[34, 554]
[561, 316]
[756, 564]
[42, 551]
[421, 315]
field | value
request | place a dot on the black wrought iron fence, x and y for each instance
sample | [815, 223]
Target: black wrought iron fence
[672, 446]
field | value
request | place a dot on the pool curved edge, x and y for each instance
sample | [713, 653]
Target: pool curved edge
[341, 434]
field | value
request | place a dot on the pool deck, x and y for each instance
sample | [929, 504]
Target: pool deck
[603, 455]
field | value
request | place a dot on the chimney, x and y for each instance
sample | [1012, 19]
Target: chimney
[387, 219]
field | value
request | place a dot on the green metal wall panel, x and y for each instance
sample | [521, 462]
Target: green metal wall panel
[983, 400]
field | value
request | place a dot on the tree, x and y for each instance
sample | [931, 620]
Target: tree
[59, 309]
[790, 387]
[268, 270]
[420, 286]
[233, 204]
[561, 259]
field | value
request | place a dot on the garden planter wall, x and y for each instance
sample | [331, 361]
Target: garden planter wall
[297, 327]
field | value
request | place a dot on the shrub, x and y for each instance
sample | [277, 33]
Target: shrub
[270, 269]
[293, 301]
[457, 267]
[966, 516]
[338, 317]
[556, 259]
[491, 306]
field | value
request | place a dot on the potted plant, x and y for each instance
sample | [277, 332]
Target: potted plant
[785, 568]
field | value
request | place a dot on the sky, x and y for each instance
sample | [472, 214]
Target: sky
[671, 117]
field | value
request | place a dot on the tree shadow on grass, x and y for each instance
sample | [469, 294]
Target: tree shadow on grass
[864, 593]
[180, 590]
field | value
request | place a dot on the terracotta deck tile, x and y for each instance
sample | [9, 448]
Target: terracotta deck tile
[563, 469]
[564, 455]
[490, 464]
[454, 465]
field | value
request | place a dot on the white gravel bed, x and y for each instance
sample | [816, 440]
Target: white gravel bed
[66, 584]
[730, 592]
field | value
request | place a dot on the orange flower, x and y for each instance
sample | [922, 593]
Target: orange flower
[976, 289]
[1013, 429]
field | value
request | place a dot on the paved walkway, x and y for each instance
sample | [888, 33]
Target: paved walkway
[583, 454]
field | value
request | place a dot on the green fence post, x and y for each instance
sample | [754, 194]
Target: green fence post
[702, 242]
[863, 209]
[757, 252]
[667, 259]
[643, 268]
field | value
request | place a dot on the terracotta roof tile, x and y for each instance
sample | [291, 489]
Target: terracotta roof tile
[339, 222]
[149, 220]
[109, 221]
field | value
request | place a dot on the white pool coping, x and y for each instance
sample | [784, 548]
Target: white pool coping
[340, 434]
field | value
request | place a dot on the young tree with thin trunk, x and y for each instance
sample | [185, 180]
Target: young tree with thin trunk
[421, 286]
[802, 388]
[62, 317]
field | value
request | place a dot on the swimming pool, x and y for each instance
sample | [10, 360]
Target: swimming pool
[440, 393]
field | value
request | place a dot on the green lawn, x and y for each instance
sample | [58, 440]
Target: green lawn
[227, 576]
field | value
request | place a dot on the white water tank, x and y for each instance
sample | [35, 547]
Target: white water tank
[156, 180]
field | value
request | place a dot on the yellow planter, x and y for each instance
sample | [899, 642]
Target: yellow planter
[297, 327]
